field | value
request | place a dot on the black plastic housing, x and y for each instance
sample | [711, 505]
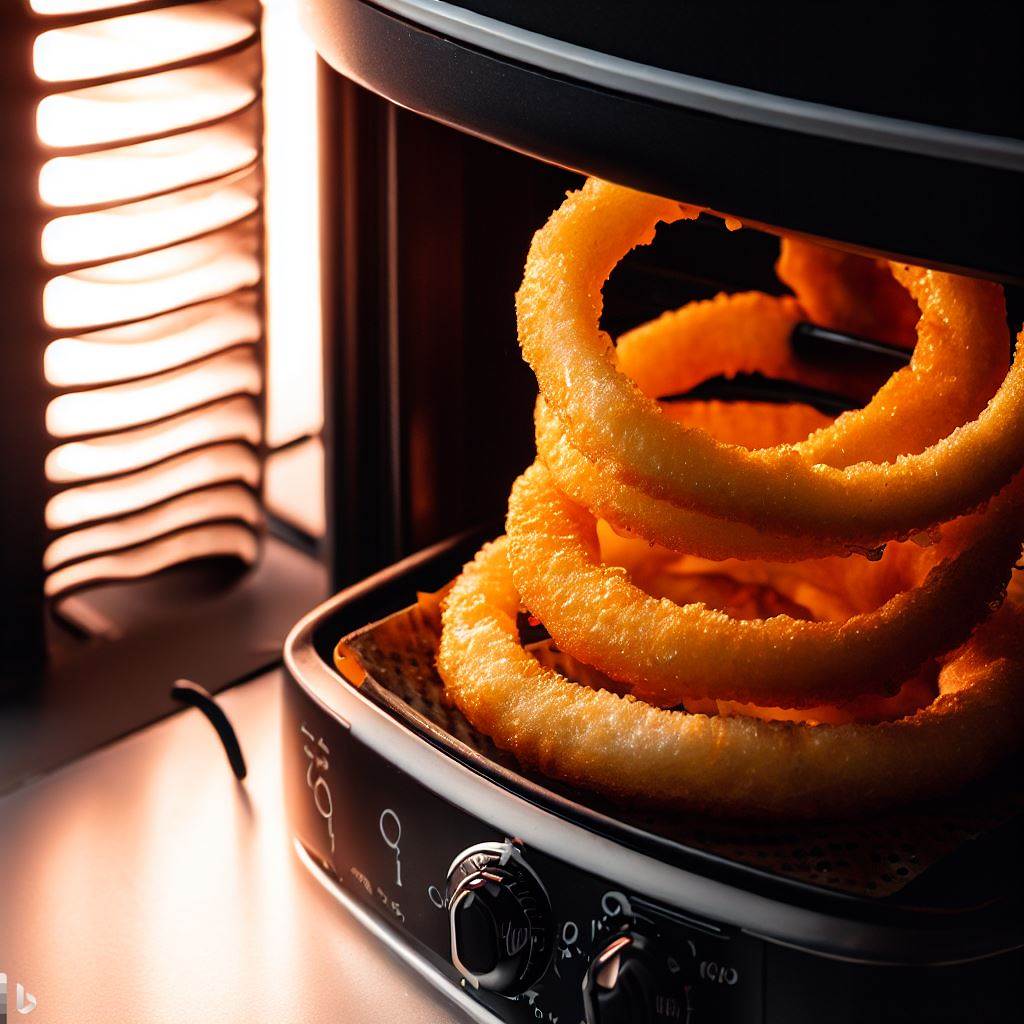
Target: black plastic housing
[885, 131]
[940, 950]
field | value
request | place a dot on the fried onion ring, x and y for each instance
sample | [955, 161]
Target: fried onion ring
[734, 766]
[746, 332]
[713, 643]
[787, 489]
[955, 369]
[668, 653]
[853, 294]
[750, 332]
[631, 510]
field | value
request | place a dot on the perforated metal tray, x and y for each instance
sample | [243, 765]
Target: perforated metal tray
[872, 858]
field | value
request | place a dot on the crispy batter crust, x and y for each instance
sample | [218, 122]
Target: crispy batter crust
[849, 293]
[668, 652]
[810, 489]
[774, 502]
[735, 766]
[634, 511]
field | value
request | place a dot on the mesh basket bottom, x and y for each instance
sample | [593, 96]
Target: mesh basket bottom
[875, 857]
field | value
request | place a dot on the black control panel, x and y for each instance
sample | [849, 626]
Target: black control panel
[531, 936]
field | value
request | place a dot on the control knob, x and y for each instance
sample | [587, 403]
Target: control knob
[500, 919]
[628, 983]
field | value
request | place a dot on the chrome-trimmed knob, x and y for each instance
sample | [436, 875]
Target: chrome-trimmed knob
[500, 919]
[626, 984]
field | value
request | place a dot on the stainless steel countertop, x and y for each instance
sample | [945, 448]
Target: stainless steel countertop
[143, 884]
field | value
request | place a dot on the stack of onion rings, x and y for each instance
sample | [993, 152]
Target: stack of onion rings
[901, 680]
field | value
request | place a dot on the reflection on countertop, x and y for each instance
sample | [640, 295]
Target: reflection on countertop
[142, 883]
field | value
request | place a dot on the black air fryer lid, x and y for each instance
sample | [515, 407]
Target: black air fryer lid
[896, 128]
